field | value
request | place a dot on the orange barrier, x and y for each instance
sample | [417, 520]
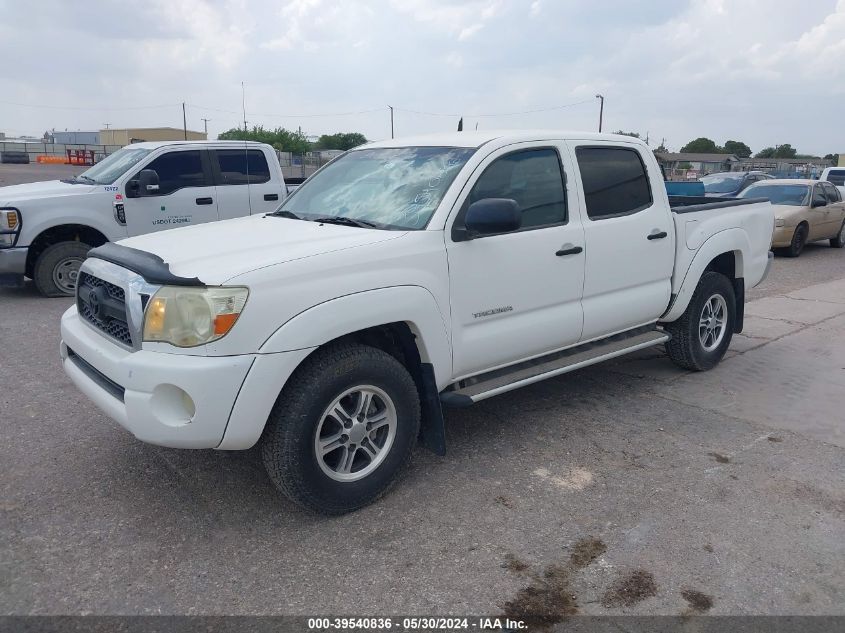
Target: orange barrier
[49, 159]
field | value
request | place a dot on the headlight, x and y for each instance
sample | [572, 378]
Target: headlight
[10, 225]
[779, 222]
[187, 317]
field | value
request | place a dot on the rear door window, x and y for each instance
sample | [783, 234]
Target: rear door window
[242, 167]
[615, 181]
[837, 177]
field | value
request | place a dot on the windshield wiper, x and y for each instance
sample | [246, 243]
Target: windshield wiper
[345, 221]
[283, 213]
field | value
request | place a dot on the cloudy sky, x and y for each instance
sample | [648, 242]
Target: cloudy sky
[760, 71]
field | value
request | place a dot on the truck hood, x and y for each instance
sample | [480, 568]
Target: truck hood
[46, 189]
[218, 251]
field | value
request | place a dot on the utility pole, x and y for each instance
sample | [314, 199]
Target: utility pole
[184, 121]
[391, 120]
[107, 125]
[205, 126]
[601, 110]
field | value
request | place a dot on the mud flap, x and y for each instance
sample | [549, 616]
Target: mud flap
[432, 426]
[739, 299]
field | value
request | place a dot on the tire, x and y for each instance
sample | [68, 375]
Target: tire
[301, 420]
[57, 267]
[839, 240]
[687, 346]
[799, 241]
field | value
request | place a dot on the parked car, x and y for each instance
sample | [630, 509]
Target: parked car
[730, 183]
[406, 275]
[805, 211]
[835, 175]
[46, 228]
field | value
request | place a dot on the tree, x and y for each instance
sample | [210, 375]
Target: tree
[778, 151]
[341, 140]
[280, 138]
[737, 148]
[702, 145]
[634, 134]
[833, 158]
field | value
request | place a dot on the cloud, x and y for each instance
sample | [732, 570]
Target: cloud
[760, 71]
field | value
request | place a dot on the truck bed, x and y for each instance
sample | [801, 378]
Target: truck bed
[691, 204]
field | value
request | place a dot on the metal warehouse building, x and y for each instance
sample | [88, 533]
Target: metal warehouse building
[118, 136]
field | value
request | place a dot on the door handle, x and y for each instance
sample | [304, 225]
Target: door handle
[572, 250]
[271, 196]
[205, 201]
[657, 236]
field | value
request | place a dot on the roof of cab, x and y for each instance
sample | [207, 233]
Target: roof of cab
[475, 139]
[157, 144]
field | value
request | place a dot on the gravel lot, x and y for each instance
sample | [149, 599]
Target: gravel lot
[627, 488]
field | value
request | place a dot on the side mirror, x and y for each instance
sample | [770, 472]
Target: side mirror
[491, 215]
[148, 182]
[818, 203]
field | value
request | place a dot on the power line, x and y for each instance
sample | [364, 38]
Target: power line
[534, 111]
[287, 116]
[109, 109]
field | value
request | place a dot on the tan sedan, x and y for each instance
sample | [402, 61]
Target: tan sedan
[805, 211]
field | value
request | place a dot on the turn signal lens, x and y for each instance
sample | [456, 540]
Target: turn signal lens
[187, 317]
[11, 219]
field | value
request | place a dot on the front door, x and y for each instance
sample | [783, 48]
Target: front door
[517, 295]
[630, 239]
[186, 194]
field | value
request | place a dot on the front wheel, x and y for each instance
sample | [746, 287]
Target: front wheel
[342, 428]
[57, 268]
[702, 335]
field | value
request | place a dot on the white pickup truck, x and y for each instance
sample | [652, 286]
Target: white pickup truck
[406, 275]
[47, 228]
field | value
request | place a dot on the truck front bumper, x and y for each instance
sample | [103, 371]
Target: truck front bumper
[175, 400]
[12, 266]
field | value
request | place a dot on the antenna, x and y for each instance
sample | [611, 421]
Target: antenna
[243, 103]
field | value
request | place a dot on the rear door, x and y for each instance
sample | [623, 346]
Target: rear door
[186, 193]
[836, 207]
[244, 184]
[630, 239]
[517, 295]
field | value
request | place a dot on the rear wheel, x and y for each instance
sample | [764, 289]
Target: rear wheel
[799, 240]
[839, 240]
[342, 428]
[57, 268]
[702, 335]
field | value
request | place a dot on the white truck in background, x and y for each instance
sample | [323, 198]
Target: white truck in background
[836, 176]
[406, 275]
[47, 228]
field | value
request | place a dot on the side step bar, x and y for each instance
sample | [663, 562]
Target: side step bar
[493, 383]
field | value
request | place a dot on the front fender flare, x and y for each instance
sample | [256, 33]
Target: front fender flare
[413, 305]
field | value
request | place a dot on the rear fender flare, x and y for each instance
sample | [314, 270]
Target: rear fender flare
[731, 240]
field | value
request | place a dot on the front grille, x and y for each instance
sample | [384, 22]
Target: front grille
[103, 305]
